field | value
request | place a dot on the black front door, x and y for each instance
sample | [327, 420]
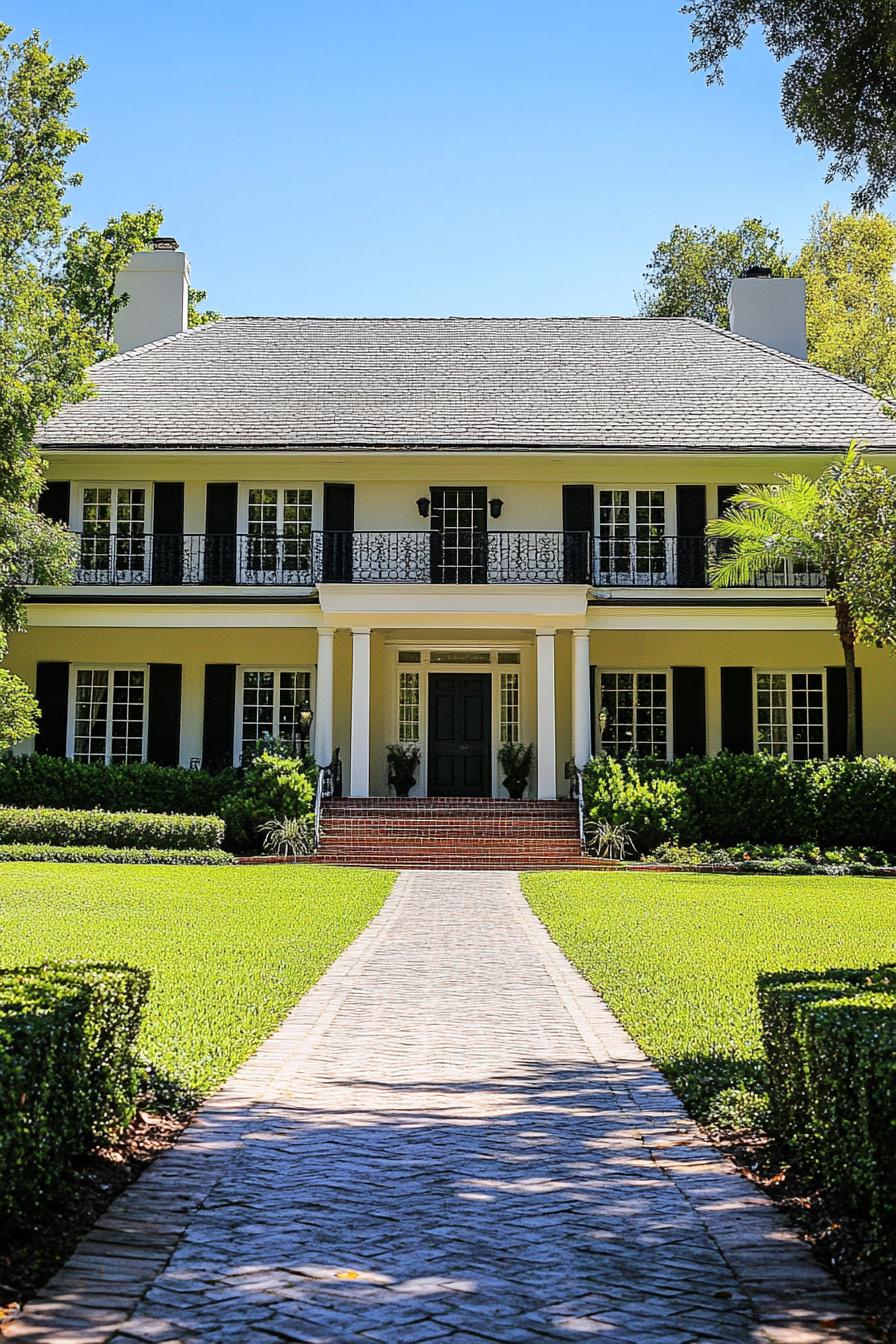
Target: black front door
[459, 735]
[459, 534]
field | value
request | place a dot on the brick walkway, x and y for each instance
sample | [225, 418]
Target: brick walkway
[449, 1139]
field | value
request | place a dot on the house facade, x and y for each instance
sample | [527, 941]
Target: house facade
[446, 532]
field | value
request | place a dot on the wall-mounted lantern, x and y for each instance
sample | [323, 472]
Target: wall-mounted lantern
[306, 718]
[495, 506]
[423, 506]
[603, 718]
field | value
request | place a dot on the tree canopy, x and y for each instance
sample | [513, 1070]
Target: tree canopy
[839, 90]
[690, 271]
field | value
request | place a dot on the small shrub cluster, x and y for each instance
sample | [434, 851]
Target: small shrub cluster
[39, 826]
[742, 800]
[51, 781]
[797, 860]
[830, 1041]
[206, 858]
[69, 1071]
[274, 786]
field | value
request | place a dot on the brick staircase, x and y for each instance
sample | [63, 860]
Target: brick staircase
[450, 833]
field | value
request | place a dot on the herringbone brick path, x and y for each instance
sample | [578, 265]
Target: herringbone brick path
[449, 1139]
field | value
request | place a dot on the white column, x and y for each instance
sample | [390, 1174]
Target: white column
[323, 709]
[547, 737]
[359, 766]
[581, 697]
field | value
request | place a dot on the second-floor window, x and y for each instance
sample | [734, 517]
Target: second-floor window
[631, 535]
[279, 529]
[113, 528]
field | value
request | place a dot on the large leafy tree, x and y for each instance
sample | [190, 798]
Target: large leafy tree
[57, 304]
[842, 526]
[690, 271]
[839, 90]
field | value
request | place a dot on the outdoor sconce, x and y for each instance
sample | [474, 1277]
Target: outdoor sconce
[603, 719]
[495, 507]
[306, 718]
[423, 506]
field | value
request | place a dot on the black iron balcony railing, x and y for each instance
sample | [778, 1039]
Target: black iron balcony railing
[431, 557]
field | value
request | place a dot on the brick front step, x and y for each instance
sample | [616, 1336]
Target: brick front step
[450, 833]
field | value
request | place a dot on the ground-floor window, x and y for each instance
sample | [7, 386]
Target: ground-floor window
[109, 715]
[510, 707]
[409, 706]
[270, 703]
[637, 720]
[790, 714]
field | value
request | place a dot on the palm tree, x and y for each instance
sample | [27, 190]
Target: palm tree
[801, 522]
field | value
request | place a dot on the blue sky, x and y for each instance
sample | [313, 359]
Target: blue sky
[408, 157]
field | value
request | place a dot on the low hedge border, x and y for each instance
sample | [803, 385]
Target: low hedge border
[69, 1071]
[830, 1041]
[53, 781]
[206, 858]
[112, 830]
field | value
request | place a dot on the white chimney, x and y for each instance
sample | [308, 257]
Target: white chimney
[769, 309]
[157, 284]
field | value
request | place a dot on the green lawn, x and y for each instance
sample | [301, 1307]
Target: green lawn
[676, 955]
[230, 950]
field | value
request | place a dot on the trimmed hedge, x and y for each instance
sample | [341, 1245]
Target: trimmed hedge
[733, 799]
[69, 1071]
[51, 781]
[206, 858]
[830, 1039]
[42, 826]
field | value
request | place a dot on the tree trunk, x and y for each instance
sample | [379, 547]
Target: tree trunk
[847, 633]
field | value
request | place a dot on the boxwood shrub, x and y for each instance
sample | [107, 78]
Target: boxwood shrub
[830, 1040]
[207, 858]
[52, 781]
[69, 1071]
[112, 830]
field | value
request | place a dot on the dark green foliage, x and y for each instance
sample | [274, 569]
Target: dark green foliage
[515, 760]
[207, 858]
[651, 806]
[803, 860]
[739, 800]
[40, 826]
[69, 1071]
[274, 786]
[52, 781]
[830, 1039]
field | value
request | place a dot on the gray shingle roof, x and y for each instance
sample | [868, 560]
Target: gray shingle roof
[576, 383]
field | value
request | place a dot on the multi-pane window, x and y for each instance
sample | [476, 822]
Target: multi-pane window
[790, 714]
[110, 714]
[279, 528]
[631, 535]
[409, 706]
[636, 705]
[271, 703]
[459, 520]
[113, 529]
[510, 707]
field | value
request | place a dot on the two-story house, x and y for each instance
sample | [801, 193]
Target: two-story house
[454, 532]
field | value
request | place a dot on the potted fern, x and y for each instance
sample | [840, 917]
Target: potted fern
[515, 759]
[403, 760]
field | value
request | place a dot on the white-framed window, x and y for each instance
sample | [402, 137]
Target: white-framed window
[637, 708]
[114, 526]
[409, 706]
[509, 707]
[107, 715]
[278, 530]
[631, 535]
[269, 703]
[790, 714]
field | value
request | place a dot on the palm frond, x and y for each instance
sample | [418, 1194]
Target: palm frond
[764, 526]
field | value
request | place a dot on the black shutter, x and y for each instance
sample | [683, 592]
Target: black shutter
[220, 533]
[689, 711]
[593, 686]
[836, 710]
[217, 716]
[690, 501]
[722, 545]
[51, 689]
[168, 532]
[163, 717]
[339, 525]
[737, 709]
[578, 531]
[55, 501]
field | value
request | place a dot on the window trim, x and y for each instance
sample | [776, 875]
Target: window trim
[790, 673]
[73, 698]
[666, 672]
[77, 515]
[277, 668]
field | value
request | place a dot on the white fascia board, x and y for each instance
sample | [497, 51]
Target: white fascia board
[359, 604]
